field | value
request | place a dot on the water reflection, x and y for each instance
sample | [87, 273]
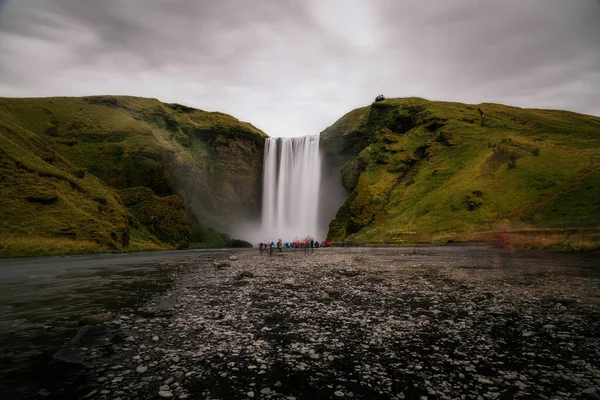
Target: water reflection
[42, 299]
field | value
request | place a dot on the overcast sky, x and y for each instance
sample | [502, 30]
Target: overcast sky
[294, 67]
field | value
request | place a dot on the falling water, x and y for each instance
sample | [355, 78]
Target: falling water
[292, 177]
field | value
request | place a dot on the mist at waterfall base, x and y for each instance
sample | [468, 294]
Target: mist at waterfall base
[299, 197]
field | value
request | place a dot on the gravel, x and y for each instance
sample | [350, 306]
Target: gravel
[357, 324]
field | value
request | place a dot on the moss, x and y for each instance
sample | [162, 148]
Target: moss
[70, 156]
[350, 173]
[164, 217]
[136, 195]
[411, 177]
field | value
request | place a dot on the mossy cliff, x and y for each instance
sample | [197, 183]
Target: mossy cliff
[112, 173]
[419, 171]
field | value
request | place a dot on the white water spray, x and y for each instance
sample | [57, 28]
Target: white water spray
[291, 183]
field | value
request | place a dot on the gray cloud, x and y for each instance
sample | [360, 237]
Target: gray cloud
[294, 67]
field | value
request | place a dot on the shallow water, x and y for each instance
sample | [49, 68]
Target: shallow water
[43, 298]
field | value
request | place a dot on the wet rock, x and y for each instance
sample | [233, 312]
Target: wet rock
[485, 381]
[141, 369]
[95, 319]
[244, 274]
[88, 336]
[69, 355]
[221, 264]
[165, 305]
[165, 394]
[590, 393]
[289, 282]
[90, 394]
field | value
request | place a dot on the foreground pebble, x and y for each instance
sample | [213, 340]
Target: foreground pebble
[354, 324]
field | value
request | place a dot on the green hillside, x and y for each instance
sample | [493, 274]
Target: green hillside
[419, 171]
[109, 173]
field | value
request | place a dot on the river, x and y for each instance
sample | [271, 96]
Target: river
[43, 298]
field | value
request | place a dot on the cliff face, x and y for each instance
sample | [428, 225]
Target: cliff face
[73, 169]
[417, 171]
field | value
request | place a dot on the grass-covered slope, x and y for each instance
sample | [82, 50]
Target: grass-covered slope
[70, 170]
[418, 171]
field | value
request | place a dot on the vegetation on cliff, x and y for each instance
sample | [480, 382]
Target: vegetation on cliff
[108, 173]
[419, 171]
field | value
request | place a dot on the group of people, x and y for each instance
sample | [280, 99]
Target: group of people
[306, 243]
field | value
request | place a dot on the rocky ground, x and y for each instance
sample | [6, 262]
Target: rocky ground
[351, 324]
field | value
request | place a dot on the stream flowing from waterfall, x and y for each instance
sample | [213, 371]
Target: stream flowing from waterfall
[291, 184]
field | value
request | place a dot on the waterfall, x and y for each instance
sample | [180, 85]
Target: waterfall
[291, 182]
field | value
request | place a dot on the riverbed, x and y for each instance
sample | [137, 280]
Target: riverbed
[403, 323]
[42, 300]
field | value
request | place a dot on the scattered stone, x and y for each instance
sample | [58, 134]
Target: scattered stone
[221, 264]
[485, 381]
[90, 394]
[289, 282]
[141, 369]
[590, 393]
[356, 327]
[244, 274]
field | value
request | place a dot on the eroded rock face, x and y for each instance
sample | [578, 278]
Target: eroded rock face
[378, 324]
